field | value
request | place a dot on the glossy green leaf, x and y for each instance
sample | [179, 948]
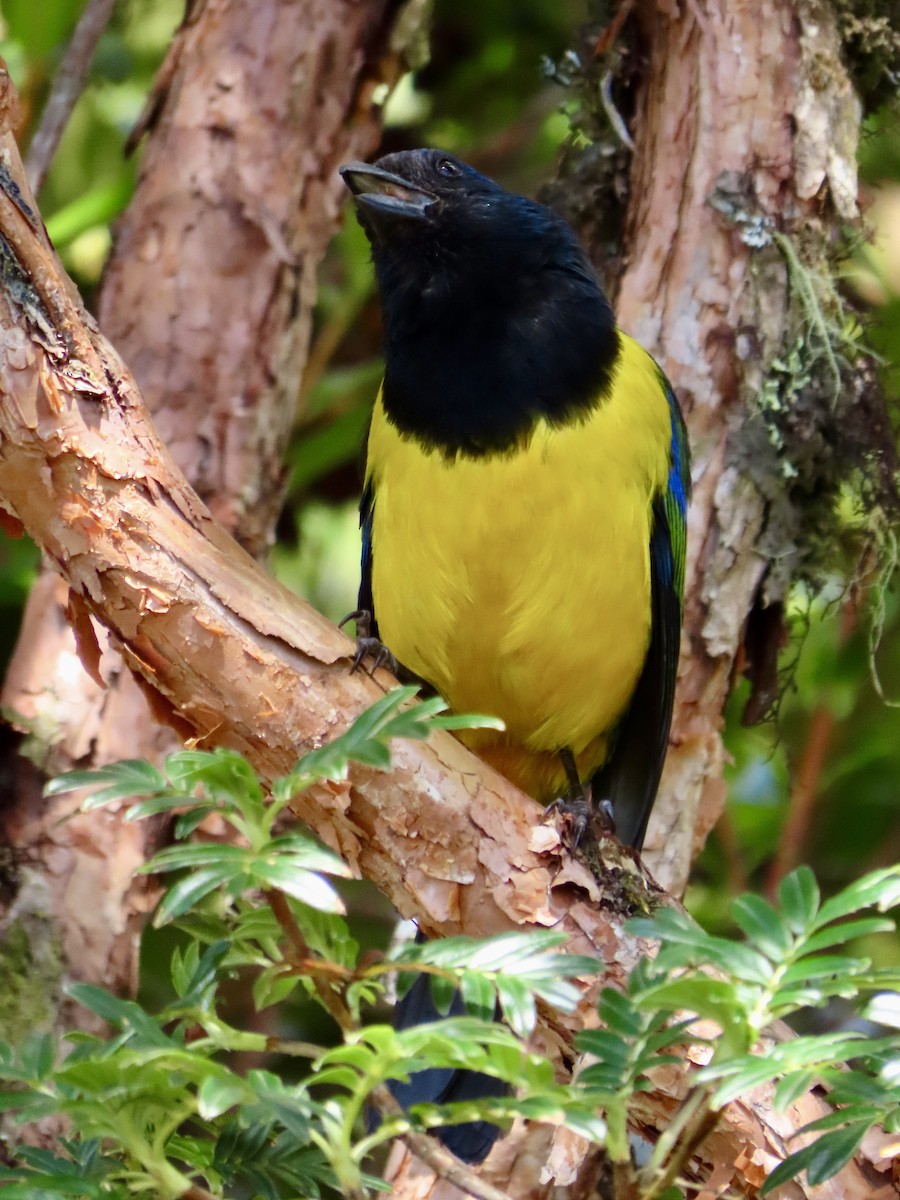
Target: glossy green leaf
[799, 895]
[762, 925]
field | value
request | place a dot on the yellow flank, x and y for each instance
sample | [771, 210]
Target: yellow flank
[519, 585]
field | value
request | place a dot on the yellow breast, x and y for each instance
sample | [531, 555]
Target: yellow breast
[519, 585]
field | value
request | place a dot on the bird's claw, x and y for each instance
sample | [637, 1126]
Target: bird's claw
[368, 647]
[573, 814]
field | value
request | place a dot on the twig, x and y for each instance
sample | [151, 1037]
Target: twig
[610, 34]
[331, 999]
[67, 87]
[616, 120]
[444, 1164]
[195, 1192]
[695, 1134]
[292, 1049]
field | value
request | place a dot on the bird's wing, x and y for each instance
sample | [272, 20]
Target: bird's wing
[630, 776]
[365, 601]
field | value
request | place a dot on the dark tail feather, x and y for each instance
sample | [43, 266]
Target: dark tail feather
[629, 779]
[472, 1140]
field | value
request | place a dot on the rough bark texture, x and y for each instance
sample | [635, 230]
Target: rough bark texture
[755, 96]
[228, 657]
[209, 296]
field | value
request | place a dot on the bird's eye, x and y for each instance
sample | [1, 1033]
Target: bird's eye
[448, 168]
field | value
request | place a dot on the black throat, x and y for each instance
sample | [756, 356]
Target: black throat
[474, 359]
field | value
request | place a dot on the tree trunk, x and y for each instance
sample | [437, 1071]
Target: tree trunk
[745, 108]
[209, 295]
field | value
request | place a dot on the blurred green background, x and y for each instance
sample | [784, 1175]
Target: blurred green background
[489, 93]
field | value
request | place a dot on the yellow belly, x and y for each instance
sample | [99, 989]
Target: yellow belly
[519, 585]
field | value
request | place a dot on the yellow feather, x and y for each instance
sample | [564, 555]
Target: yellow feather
[519, 585]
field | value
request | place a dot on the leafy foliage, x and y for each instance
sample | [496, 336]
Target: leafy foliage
[159, 1104]
[159, 1094]
[792, 957]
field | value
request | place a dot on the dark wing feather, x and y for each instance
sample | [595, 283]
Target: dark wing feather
[630, 776]
[365, 601]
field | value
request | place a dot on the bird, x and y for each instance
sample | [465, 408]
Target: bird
[524, 509]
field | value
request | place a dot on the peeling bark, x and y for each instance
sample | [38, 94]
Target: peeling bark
[754, 93]
[233, 659]
[209, 295]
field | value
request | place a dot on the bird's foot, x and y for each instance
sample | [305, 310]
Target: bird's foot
[368, 647]
[576, 812]
[572, 815]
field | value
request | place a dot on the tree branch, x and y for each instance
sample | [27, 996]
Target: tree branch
[68, 84]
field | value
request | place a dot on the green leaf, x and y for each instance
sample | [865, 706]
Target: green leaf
[305, 886]
[466, 721]
[198, 854]
[794, 1085]
[27, 1102]
[833, 1150]
[825, 966]
[517, 1004]
[103, 1003]
[799, 895]
[619, 1013]
[478, 995]
[200, 973]
[716, 999]
[37, 1056]
[331, 761]
[222, 773]
[837, 935]
[366, 741]
[130, 777]
[190, 891]
[306, 853]
[878, 889]
[762, 925]
[821, 1159]
[163, 802]
[272, 986]
[442, 993]
[217, 1094]
[684, 943]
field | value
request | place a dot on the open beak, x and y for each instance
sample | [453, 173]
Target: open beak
[382, 195]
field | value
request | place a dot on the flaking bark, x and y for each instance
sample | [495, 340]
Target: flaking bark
[754, 97]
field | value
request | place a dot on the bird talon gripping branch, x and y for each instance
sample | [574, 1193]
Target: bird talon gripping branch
[369, 647]
[572, 816]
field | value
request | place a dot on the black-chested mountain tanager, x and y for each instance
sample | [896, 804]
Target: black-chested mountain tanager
[524, 512]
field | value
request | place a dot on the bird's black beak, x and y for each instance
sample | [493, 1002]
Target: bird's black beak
[384, 197]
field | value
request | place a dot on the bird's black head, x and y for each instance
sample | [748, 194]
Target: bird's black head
[493, 314]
